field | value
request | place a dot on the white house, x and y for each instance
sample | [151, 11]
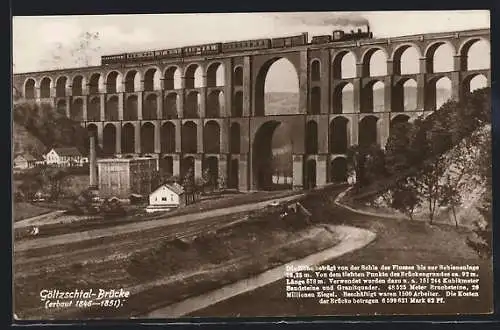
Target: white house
[166, 197]
[24, 161]
[65, 157]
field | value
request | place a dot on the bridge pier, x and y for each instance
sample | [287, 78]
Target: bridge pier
[298, 171]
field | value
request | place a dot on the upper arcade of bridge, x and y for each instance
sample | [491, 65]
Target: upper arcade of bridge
[393, 48]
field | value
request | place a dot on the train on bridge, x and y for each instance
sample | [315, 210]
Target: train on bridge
[236, 46]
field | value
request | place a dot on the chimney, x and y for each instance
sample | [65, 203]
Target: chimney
[92, 162]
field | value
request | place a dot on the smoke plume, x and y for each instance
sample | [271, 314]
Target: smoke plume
[325, 19]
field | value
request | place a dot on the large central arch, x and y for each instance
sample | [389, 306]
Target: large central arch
[262, 155]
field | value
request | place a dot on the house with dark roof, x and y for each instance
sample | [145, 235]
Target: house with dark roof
[65, 157]
[166, 197]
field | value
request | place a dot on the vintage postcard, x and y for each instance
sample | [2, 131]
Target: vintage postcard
[251, 164]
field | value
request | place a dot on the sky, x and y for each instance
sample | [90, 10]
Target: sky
[36, 38]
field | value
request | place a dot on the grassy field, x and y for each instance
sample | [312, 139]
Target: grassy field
[398, 242]
[26, 210]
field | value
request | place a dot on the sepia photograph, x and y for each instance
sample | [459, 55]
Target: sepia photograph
[280, 164]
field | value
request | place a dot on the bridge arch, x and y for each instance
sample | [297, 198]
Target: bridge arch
[189, 138]
[373, 97]
[94, 109]
[343, 98]
[192, 105]
[238, 76]
[167, 138]
[132, 81]
[398, 120]
[369, 59]
[172, 77]
[109, 139]
[131, 107]
[438, 92]
[446, 63]
[170, 106]
[167, 166]
[30, 88]
[45, 87]
[338, 170]
[215, 102]
[339, 135]
[368, 133]
[61, 85]
[344, 65]
[96, 83]
[473, 82]
[149, 110]
[147, 138]
[315, 70]
[193, 76]
[406, 59]
[92, 131]
[261, 81]
[113, 82]
[262, 155]
[111, 109]
[210, 164]
[76, 112]
[152, 79]
[61, 107]
[211, 137]
[128, 138]
[215, 74]
[77, 85]
[404, 95]
[470, 50]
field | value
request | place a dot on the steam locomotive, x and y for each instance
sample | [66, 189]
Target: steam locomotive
[236, 46]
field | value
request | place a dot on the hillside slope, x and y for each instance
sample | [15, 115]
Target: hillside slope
[23, 141]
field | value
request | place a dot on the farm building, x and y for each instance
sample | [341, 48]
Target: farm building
[65, 157]
[121, 177]
[24, 161]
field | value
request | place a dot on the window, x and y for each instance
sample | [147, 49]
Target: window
[164, 199]
[171, 198]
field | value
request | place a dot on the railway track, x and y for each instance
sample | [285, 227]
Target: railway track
[113, 251]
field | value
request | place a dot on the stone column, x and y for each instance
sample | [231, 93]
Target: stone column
[325, 82]
[199, 135]
[198, 170]
[84, 107]
[178, 137]
[321, 170]
[303, 82]
[159, 105]
[354, 129]
[139, 105]
[298, 171]
[100, 134]
[243, 172]
[356, 95]
[456, 93]
[120, 106]
[202, 106]
[423, 65]
[68, 106]
[102, 106]
[383, 126]
[359, 70]
[118, 145]
[388, 82]
[180, 103]
[421, 91]
[176, 165]
[247, 86]
[223, 167]
[390, 67]
[224, 136]
[228, 88]
[323, 124]
[157, 138]
[137, 138]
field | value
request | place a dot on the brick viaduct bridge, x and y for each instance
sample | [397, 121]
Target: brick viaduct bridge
[138, 109]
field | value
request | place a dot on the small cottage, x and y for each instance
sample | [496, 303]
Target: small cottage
[166, 197]
[24, 161]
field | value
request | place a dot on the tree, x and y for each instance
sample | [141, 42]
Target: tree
[57, 179]
[222, 182]
[206, 179]
[80, 52]
[405, 197]
[189, 186]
